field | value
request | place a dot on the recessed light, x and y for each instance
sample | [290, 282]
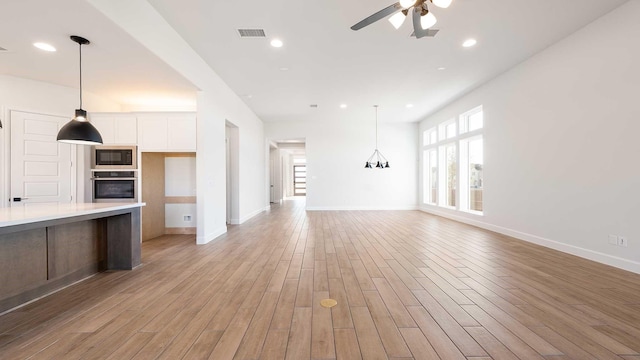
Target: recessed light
[284, 69]
[442, 68]
[44, 46]
[276, 43]
[409, 106]
[469, 43]
[343, 106]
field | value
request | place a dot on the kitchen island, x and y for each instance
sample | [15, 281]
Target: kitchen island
[46, 247]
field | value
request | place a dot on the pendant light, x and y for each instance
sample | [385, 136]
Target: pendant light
[376, 158]
[79, 130]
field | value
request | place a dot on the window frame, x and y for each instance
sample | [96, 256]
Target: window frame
[459, 141]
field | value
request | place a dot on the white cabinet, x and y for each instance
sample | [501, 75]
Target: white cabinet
[175, 132]
[162, 132]
[116, 129]
[153, 133]
[182, 133]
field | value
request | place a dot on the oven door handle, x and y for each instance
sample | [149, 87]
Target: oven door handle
[114, 178]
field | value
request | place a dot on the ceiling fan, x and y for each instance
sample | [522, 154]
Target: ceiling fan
[423, 20]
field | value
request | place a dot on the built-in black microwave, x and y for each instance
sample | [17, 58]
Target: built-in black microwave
[114, 157]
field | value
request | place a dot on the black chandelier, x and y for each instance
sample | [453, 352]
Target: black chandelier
[377, 158]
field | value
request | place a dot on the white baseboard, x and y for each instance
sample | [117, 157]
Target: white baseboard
[603, 258]
[201, 240]
[247, 217]
[364, 208]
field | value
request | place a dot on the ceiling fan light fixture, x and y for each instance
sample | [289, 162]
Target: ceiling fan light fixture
[442, 3]
[407, 3]
[428, 20]
[397, 20]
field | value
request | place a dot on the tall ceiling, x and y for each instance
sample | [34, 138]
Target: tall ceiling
[327, 63]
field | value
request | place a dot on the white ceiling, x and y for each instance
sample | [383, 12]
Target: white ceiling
[114, 65]
[329, 64]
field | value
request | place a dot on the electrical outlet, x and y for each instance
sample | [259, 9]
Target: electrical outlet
[613, 239]
[623, 241]
[186, 218]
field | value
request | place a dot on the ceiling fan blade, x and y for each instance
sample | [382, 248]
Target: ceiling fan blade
[377, 16]
[417, 26]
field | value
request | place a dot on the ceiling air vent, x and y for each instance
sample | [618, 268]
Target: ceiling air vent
[313, 106]
[251, 33]
[3, 49]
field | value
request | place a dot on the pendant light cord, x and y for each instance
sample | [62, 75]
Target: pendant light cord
[80, 48]
[376, 106]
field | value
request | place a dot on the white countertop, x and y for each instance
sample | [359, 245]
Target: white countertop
[35, 213]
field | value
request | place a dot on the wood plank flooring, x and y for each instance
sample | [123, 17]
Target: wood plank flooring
[408, 285]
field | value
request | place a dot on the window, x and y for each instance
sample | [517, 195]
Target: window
[430, 168]
[471, 120]
[450, 172]
[453, 163]
[471, 174]
[429, 137]
[476, 162]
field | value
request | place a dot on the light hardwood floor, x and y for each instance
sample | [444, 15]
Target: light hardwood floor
[408, 285]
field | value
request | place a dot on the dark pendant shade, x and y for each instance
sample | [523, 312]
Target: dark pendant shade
[79, 132]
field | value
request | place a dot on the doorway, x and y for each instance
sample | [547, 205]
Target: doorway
[288, 169]
[299, 180]
[232, 155]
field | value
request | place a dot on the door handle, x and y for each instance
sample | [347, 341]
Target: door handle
[19, 199]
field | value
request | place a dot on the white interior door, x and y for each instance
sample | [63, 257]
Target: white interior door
[41, 167]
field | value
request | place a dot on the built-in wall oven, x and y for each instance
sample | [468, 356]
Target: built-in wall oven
[114, 186]
[114, 157]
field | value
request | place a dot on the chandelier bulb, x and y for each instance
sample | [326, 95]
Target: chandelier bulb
[428, 20]
[407, 3]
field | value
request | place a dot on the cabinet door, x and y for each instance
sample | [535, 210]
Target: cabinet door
[126, 130]
[182, 133]
[152, 133]
[106, 128]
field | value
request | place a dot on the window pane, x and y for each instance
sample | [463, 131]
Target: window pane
[451, 177]
[451, 130]
[476, 162]
[475, 121]
[433, 177]
[433, 137]
[425, 138]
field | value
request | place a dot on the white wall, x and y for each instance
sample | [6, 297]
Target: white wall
[44, 98]
[336, 151]
[561, 148]
[216, 104]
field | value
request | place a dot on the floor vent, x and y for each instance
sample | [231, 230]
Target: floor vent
[251, 33]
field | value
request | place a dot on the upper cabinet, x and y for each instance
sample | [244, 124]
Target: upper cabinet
[116, 129]
[161, 132]
[174, 132]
